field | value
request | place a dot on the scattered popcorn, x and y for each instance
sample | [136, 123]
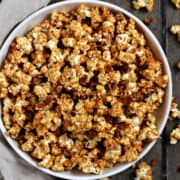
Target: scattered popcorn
[178, 65]
[175, 135]
[176, 3]
[175, 29]
[148, 4]
[80, 90]
[144, 172]
[174, 112]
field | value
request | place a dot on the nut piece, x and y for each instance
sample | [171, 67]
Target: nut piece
[176, 3]
[148, 20]
[175, 135]
[154, 162]
[148, 4]
[175, 29]
[144, 172]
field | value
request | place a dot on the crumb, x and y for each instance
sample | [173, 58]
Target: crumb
[178, 65]
[154, 162]
[148, 20]
[133, 166]
[178, 169]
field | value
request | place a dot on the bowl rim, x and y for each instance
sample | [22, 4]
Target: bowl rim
[164, 60]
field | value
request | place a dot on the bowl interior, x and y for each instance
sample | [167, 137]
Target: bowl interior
[162, 113]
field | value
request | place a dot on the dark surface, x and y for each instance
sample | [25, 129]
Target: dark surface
[163, 16]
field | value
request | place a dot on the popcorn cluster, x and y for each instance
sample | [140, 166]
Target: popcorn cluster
[174, 112]
[148, 4]
[80, 90]
[176, 3]
[175, 29]
[144, 172]
[175, 135]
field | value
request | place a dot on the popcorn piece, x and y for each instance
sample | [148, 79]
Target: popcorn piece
[144, 172]
[14, 131]
[84, 11]
[59, 163]
[24, 45]
[175, 135]
[148, 133]
[178, 65]
[42, 90]
[69, 42]
[131, 154]
[174, 113]
[90, 167]
[148, 4]
[176, 3]
[49, 119]
[41, 150]
[29, 145]
[3, 85]
[47, 161]
[65, 142]
[175, 29]
[113, 150]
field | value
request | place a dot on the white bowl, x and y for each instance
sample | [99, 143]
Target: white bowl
[162, 113]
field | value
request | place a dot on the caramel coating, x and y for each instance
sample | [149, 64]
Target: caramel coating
[144, 172]
[148, 4]
[80, 90]
[175, 29]
[176, 3]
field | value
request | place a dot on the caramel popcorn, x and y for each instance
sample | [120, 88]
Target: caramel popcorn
[148, 4]
[175, 135]
[176, 3]
[80, 90]
[175, 29]
[178, 65]
[174, 112]
[144, 172]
